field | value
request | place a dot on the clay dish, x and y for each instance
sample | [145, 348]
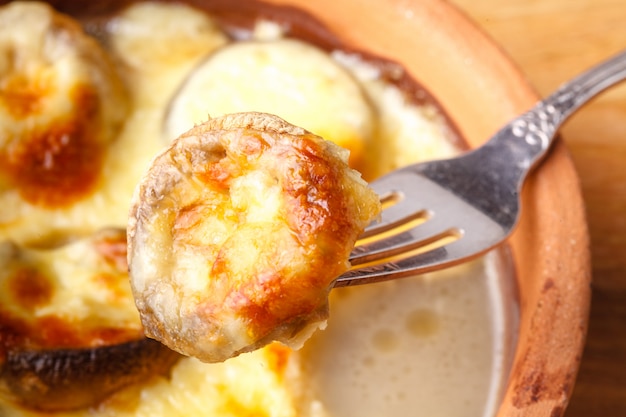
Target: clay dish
[480, 89]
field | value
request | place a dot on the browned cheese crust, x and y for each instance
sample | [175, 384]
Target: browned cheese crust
[237, 232]
[61, 104]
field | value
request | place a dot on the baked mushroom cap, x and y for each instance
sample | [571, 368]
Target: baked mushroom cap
[237, 232]
[70, 335]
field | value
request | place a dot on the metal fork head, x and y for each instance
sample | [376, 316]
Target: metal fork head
[424, 226]
[441, 213]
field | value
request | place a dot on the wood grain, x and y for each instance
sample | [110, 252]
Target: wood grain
[551, 41]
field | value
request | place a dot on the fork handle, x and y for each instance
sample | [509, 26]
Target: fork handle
[487, 176]
[538, 126]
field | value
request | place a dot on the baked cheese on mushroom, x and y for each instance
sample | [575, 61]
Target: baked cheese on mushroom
[69, 333]
[237, 232]
[61, 104]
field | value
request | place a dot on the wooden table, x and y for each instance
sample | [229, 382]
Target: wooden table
[551, 41]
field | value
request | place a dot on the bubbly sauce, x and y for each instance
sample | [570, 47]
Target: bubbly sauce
[434, 345]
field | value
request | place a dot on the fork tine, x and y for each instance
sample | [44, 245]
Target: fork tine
[448, 255]
[395, 192]
[407, 196]
[382, 259]
[414, 265]
[432, 230]
[478, 191]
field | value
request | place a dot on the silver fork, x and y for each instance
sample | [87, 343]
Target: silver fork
[441, 213]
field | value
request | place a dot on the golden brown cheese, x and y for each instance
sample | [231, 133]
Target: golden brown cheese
[69, 333]
[237, 232]
[61, 103]
[48, 296]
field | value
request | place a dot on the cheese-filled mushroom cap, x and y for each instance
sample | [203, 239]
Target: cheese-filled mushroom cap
[237, 232]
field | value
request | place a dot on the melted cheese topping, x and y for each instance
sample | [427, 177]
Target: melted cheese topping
[274, 381]
[151, 81]
[71, 297]
[61, 105]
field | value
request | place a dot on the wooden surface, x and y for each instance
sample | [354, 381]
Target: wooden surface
[551, 41]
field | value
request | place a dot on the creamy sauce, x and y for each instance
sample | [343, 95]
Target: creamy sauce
[438, 344]
[435, 345]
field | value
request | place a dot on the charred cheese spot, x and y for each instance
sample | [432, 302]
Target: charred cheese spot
[30, 288]
[62, 105]
[57, 164]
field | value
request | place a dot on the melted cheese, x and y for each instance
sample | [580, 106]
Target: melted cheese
[151, 72]
[262, 383]
[406, 133]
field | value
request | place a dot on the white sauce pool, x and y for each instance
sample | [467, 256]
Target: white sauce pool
[435, 345]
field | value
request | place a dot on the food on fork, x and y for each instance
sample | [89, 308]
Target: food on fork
[237, 232]
[61, 105]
